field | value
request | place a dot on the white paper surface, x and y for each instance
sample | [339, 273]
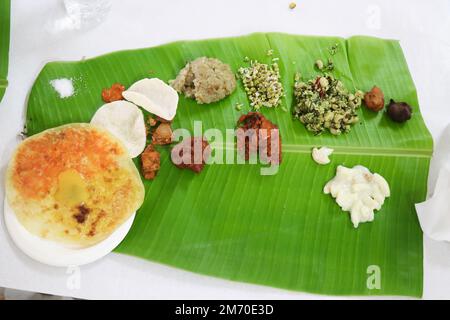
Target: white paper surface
[434, 214]
[421, 26]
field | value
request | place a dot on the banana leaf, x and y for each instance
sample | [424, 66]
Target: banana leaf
[281, 230]
[5, 8]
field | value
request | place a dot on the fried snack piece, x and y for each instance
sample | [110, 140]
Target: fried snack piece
[162, 134]
[151, 121]
[114, 93]
[162, 120]
[374, 99]
[192, 153]
[256, 134]
[151, 162]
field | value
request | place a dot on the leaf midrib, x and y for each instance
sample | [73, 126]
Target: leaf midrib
[344, 150]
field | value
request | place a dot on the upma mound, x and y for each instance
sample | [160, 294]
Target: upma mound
[206, 80]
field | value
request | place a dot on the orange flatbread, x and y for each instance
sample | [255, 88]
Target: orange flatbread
[73, 184]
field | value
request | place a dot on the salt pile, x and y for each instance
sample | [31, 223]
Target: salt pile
[64, 87]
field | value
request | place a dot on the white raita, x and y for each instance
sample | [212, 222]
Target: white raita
[358, 191]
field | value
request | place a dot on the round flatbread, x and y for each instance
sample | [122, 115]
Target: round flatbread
[58, 254]
[155, 96]
[74, 184]
[125, 121]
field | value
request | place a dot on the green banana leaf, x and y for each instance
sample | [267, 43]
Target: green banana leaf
[280, 230]
[5, 8]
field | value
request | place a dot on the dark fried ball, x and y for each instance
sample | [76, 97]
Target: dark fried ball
[399, 111]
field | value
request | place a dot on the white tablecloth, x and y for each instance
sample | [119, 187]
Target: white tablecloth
[422, 27]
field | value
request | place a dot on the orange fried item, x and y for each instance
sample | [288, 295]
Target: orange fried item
[151, 162]
[114, 93]
[162, 134]
[151, 121]
[192, 153]
[162, 120]
[256, 134]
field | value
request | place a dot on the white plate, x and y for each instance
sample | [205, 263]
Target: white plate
[55, 254]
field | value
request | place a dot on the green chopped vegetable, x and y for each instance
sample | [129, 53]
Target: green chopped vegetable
[324, 103]
[319, 64]
[333, 49]
[322, 67]
[262, 84]
[330, 65]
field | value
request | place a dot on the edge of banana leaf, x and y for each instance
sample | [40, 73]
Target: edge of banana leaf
[5, 18]
[209, 39]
